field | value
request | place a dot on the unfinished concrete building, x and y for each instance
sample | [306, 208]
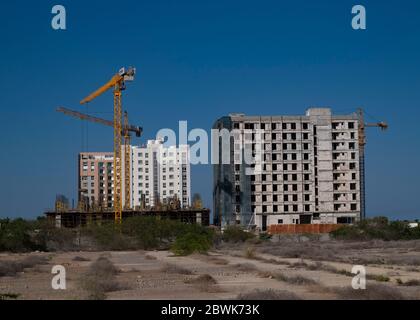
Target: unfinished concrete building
[309, 172]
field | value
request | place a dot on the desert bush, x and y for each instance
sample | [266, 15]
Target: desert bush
[147, 231]
[268, 294]
[149, 257]
[245, 267]
[297, 280]
[204, 282]
[23, 236]
[11, 268]
[250, 253]
[173, 268]
[79, 258]
[409, 283]
[9, 296]
[265, 274]
[377, 228]
[135, 233]
[15, 236]
[102, 267]
[204, 278]
[411, 260]
[378, 277]
[217, 260]
[108, 236]
[33, 260]
[265, 236]
[196, 239]
[100, 279]
[49, 238]
[236, 234]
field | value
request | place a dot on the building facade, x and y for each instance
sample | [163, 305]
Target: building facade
[95, 179]
[308, 173]
[158, 175]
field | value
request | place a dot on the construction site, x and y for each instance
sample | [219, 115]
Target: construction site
[113, 197]
[209, 151]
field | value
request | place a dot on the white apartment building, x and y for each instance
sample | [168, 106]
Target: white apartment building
[157, 172]
[160, 172]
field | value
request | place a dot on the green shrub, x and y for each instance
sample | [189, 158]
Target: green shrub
[9, 296]
[377, 228]
[236, 234]
[15, 236]
[49, 238]
[134, 233]
[378, 277]
[265, 236]
[192, 242]
[108, 236]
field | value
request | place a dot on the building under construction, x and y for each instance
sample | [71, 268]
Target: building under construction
[105, 179]
[311, 169]
[72, 218]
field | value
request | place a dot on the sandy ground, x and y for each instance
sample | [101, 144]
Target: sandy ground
[143, 274]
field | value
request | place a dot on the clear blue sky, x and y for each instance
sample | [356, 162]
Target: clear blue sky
[196, 61]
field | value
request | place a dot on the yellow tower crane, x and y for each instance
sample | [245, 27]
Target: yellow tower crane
[362, 143]
[117, 82]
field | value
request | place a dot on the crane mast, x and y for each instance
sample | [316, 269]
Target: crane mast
[362, 143]
[127, 163]
[117, 82]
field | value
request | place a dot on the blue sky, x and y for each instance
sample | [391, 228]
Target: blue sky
[197, 61]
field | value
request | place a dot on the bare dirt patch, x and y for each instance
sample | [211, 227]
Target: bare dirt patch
[282, 269]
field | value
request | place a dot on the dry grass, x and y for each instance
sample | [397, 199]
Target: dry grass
[173, 268]
[11, 268]
[409, 283]
[404, 260]
[308, 266]
[9, 296]
[268, 294]
[378, 277]
[205, 283]
[217, 260]
[245, 267]
[250, 253]
[211, 259]
[204, 278]
[149, 257]
[372, 292]
[100, 279]
[296, 280]
[265, 274]
[376, 252]
[79, 258]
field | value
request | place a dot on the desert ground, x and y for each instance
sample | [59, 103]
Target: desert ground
[286, 268]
